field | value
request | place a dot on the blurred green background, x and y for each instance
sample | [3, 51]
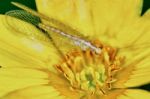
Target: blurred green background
[6, 6]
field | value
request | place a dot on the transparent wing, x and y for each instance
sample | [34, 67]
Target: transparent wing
[25, 16]
[25, 30]
[33, 17]
[61, 43]
[64, 37]
[51, 21]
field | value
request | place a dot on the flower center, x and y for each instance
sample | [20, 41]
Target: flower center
[89, 71]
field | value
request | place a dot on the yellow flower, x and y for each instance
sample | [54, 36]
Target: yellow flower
[33, 69]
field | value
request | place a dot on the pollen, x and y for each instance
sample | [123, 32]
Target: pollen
[89, 71]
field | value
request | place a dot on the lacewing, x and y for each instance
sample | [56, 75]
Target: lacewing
[61, 34]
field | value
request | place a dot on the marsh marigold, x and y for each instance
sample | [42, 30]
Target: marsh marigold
[33, 69]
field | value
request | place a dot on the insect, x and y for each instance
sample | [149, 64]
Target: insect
[54, 30]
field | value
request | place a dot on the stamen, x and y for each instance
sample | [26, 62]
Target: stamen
[102, 91]
[91, 72]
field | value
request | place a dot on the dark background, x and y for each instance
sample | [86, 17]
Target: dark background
[6, 6]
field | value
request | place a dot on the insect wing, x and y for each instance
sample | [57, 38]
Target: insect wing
[59, 40]
[14, 22]
[51, 21]
[47, 37]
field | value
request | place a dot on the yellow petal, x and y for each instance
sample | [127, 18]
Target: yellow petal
[13, 79]
[34, 92]
[135, 94]
[127, 94]
[135, 71]
[124, 94]
[21, 47]
[134, 36]
[140, 74]
[136, 54]
[91, 16]
[133, 43]
[117, 15]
